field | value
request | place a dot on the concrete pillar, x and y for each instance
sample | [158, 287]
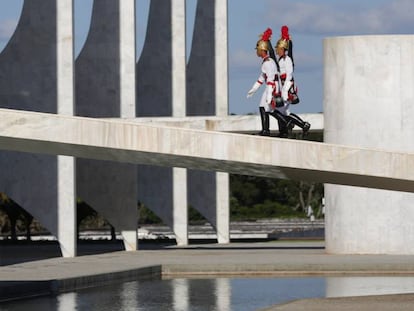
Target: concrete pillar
[368, 102]
[207, 95]
[222, 208]
[161, 78]
[222, 109]
[180, 206]
[66, 190]
[105, 87]
[221, 58]
[36, 74]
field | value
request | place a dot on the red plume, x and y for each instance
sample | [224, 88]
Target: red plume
[267, 34]
[285, 32]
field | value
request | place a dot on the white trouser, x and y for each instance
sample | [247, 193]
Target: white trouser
[267, 107]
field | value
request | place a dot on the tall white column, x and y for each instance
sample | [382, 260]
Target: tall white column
[127, 58]
[223, 208]
[66, 229]
[368, 102]
[221, 58]
[127, 89]
[180, 205]
[179, 62]
[222, 107]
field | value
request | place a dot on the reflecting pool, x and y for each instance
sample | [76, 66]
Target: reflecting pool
[214, 294]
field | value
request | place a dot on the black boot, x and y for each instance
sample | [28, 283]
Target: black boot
[282, 123]
[305, 126]
[305, 129]
[283, 129]
[264, 116]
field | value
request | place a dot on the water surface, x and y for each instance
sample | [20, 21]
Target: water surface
[212, 294]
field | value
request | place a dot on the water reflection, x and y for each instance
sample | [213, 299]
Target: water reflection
[129, 301]
[67, 302]
[180, 294]
[221, 294]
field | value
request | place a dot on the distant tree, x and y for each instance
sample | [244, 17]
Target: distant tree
[15, 213]
[194, 216]
[83, 212]
[90, 218]
[146, 216]
[258, 197]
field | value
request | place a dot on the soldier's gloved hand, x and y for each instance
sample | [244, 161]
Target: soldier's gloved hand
[253, 90]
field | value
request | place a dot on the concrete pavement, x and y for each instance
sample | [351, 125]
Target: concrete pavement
[404, 302]
[279, 258]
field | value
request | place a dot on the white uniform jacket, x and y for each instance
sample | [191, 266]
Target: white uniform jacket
[285, 74]
[268, 76]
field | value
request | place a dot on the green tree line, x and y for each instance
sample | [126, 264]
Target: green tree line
[251, 198]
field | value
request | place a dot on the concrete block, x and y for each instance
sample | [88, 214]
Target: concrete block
[368, 104]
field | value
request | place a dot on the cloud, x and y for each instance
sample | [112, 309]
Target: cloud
[244, 61]
[339, 18]
[244, 58]
[305, 62]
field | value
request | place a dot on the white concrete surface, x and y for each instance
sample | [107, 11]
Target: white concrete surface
[221, 58]
[233, 123]
[66, 167]
[179, 98]
[124, 141]
[127, 57]
[180, 205]
[179, 60]
[368, 103]
[223, 207]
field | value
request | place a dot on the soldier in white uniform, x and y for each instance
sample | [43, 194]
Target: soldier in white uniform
[267, 76]
[286, 88]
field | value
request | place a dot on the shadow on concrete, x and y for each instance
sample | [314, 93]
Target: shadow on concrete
[14, 252]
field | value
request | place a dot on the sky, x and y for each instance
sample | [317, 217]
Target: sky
[309, 23]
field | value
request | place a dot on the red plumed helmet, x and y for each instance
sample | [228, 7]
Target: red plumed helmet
[267, 34]
[284, 40]
[285, 32]
[263, 43]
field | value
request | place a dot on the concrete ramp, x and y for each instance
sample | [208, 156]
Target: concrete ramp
[128, 141]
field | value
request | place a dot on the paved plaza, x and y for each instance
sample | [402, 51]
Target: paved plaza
[53, 274]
